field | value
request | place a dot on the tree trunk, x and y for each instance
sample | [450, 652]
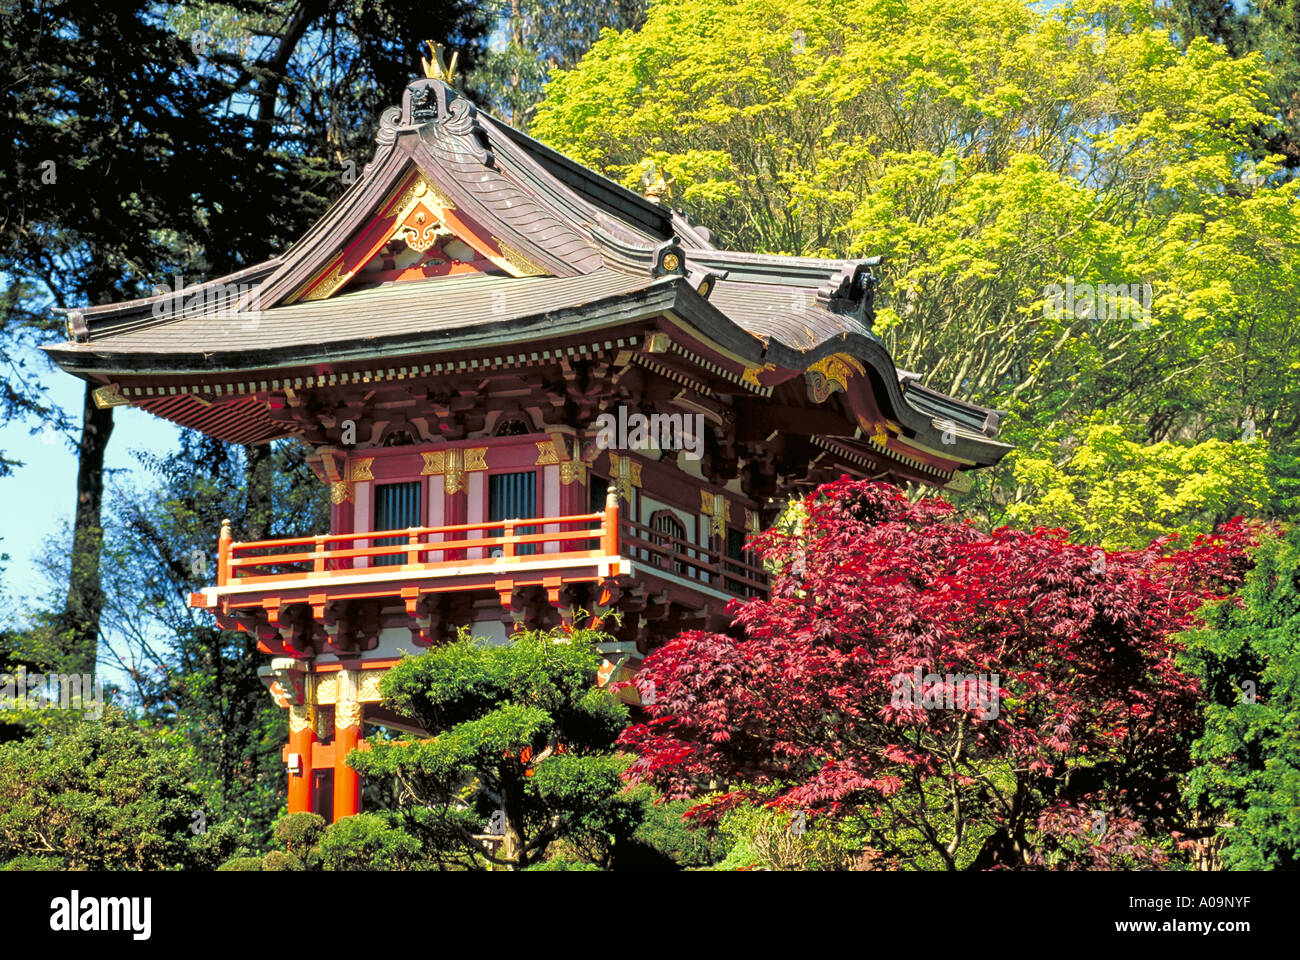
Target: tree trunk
[257, 486]
[85, 595]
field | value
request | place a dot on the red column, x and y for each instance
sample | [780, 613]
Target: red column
[347, 732]
[455, 510]
[302, 734]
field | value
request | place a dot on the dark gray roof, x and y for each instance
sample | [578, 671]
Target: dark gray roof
[358, 324]
[605, 250]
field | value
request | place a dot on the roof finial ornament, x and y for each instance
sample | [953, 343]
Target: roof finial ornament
[437, 69]
[653, 185]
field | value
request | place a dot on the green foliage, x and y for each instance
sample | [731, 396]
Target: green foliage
[1248, 658]
[299, 832]
[101, 795]
[558, 863]
[279, 860]
[241, 865]
[25, 863]
[766, 839]
[1109, 489]
[521, 736]
[663, 833]
[1268, 27]
[368, 841]
[988, 150]
[539, 38]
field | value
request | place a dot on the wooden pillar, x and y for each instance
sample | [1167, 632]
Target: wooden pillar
[223, 553]
[302, 735]
[347, 732]
[455, 511]
[610, 532]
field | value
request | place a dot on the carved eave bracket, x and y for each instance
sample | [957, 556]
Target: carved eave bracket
[109, 395]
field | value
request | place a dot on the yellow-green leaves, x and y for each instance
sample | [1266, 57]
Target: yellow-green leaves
[1108, 489]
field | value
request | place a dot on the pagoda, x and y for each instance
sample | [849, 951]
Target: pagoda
[534, 395]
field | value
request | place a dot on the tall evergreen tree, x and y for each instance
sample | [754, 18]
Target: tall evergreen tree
[1270, 28]
[1247, 656]
[534, 39]
[154, 142]
[185, 672]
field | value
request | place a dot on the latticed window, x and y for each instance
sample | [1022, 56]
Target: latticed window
[397, 506]
[513, 496]
[667, 530]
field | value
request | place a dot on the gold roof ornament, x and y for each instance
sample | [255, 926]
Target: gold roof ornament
[437, 69]
[653, 185]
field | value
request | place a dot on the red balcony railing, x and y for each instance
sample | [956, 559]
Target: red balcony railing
[429, 549]
[421, 548]
[692, 561]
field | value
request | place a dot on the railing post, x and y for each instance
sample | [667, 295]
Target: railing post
[508, 531]
[609, 529]
[318, 564]
[412, 546]
[223, 553]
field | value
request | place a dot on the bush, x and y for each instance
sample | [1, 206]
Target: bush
[279, 860]
[28, 862]
[368, 841]
[664, 841]
[240, 864]
[106, 794]
[763, 839]
[1247, 656]
[299, 832]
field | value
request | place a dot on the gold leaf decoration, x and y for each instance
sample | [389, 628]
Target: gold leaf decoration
[573, 471]
[831, 374]
[750, 374]
[434, 463]
[109, 395]
[718, 508]
[327, 690]
[300, 717]
[516, 263]
[627, 474]
[546, 453]
[347, 714]
[453, 464]
[328, 284]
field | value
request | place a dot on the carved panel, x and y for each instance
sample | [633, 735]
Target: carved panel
[453, 464]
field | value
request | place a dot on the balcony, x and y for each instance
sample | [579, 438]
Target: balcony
[338, 591]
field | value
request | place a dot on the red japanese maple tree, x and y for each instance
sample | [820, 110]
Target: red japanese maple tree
[960, 694]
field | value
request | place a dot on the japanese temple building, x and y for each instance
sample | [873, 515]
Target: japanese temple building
[531, 392]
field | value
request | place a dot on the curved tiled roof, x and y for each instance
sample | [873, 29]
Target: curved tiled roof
[606, 253]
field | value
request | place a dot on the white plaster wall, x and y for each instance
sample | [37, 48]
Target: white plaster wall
[434, 512]
[550, 479]
[476, 486]
[363, 517]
